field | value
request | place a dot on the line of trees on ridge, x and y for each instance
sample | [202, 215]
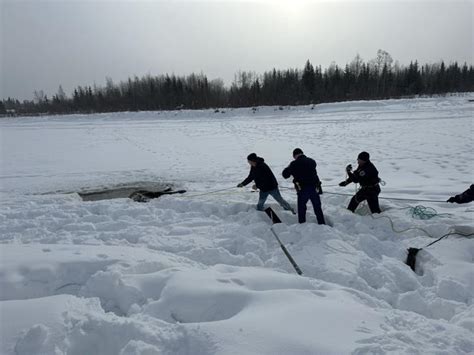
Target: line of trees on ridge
[379, 78]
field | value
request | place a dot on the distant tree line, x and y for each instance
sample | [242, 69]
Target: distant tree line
[379, 78]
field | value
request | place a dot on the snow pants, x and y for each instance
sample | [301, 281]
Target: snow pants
[305, 194]
[369, 193]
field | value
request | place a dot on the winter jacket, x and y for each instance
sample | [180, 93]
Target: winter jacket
[262, 175]
[304, 172]
[366, 175]
[466, 196]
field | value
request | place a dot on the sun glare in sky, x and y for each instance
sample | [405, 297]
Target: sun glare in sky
[45, 41]
[293, 11]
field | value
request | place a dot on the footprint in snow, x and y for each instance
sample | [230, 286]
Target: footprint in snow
[238, 282]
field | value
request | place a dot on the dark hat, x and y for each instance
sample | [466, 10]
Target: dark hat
[364, 156]
[297, 151]
[252, 157]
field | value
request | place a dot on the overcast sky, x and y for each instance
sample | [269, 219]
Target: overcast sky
[48, 43]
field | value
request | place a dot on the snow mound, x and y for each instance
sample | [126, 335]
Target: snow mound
[201, 272]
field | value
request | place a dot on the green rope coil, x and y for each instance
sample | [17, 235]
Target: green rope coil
[422, 212]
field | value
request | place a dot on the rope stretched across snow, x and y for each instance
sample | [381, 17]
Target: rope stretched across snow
[420, 212]
[326, 192]
[389, 198]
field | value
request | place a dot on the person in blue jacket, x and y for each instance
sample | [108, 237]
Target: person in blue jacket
[265, 181]
[306, 180]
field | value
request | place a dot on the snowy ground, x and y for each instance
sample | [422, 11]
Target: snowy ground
[203, 274]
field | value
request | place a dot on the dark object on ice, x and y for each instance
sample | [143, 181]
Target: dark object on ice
[411, 257]
[412, 252]
[275, 219]
[270, 213]
[121, 190]
[145, 196]
[465, 197]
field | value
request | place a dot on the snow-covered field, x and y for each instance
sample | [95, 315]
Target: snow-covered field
[202, 273]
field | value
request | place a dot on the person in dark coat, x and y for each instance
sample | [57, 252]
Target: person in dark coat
[465, 197]
[367, 176]
[306, 180]
[265, 181]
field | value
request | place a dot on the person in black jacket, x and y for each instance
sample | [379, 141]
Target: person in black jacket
[265, 181]
[306, 182]
[367, 176]
[465, 197]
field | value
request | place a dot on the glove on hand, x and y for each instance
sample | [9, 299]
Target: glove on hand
[349, 168]
[240, 185]
[451, 199]
[319, 188]
[343, 183]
